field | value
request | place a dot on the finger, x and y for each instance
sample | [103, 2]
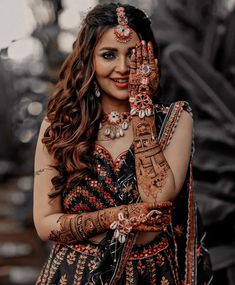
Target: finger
[145, 53]
[133, 64]
[138, 55]
[152, 61]
[147, 228]
[160, 205]
[152, 206]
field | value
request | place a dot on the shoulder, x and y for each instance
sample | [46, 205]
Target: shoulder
[174, 120]
[180, 105]
[183, 116]
[41, 150]
[44, 126]
[42, 131]
[174, 113]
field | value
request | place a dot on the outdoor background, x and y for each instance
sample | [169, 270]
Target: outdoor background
[197, 43]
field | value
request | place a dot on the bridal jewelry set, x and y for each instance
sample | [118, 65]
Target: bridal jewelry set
[115, 124]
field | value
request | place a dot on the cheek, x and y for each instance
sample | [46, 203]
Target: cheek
[102, 69]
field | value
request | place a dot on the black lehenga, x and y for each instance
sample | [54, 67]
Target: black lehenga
[175, 257]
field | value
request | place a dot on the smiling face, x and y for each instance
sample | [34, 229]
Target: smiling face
[112, 66]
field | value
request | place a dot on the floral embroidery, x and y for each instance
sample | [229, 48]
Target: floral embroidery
[160, 260]
[93, 183]
[164, 281]
[71, 257]
[179, 230]
[141, 267]
[92, 199]
[63, 280]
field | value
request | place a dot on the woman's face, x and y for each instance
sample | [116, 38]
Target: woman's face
[112, 65]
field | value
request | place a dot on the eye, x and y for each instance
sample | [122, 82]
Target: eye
[129, 54]
[108, 55]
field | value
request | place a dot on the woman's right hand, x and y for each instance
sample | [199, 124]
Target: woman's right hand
[154, 216]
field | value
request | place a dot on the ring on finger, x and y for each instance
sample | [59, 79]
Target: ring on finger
[145, 69]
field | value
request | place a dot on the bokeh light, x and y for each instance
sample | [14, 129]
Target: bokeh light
[25, 49]
[16, 21]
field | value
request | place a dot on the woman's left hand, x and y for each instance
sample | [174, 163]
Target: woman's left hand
[143, 79]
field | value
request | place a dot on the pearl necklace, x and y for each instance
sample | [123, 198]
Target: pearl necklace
[115, 124]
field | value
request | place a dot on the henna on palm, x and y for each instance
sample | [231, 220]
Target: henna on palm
[152, 168]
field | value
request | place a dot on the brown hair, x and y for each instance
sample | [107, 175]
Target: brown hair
[73, 110]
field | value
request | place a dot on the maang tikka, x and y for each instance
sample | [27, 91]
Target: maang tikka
[122, 31]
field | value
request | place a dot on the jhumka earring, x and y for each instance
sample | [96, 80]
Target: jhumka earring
[122, 31]
[97, 90]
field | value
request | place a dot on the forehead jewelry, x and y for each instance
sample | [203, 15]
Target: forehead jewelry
[122, 31]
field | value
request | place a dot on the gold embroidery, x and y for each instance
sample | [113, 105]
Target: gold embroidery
[129, 273]
[71, 257]
[57, 260]
[160, 260]
[63, 280]
[152, 271]
[79, 271]
[164, 281]
[171, 124]
[149, 250]
[141, 267]
[45, 270]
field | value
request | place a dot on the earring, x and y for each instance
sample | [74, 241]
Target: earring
[97, 90]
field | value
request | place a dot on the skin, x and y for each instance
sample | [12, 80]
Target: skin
[116, 64]
[112, 61]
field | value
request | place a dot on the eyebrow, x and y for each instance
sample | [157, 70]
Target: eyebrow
[115, 49]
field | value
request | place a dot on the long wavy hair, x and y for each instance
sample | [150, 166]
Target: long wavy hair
[74, 111]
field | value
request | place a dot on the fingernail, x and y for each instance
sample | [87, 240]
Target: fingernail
[133, 51]
[143, 43]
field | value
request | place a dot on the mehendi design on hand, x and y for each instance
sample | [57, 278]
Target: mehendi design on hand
[151, 165]
[152, 168]
[144, 217]
[75, 228]
[143, 80]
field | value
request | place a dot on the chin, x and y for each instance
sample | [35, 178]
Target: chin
[124, 95]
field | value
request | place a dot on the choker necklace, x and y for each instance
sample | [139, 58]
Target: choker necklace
[115, 124]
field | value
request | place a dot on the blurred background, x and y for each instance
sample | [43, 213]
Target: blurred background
[197, 50]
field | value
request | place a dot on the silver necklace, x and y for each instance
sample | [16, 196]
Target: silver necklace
[115, 124]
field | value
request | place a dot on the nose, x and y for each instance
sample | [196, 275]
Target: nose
[122, 65]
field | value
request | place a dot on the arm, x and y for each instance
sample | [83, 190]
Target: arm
[52, 224]
[160, 174]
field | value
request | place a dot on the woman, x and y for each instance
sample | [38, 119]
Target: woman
[113, 184]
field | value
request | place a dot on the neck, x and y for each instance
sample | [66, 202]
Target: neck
[112, 104]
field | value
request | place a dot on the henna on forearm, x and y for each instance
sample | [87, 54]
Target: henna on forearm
[74, 228]
[152, 168]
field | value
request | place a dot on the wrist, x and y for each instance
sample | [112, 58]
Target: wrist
[141, 105]
[144, 130]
